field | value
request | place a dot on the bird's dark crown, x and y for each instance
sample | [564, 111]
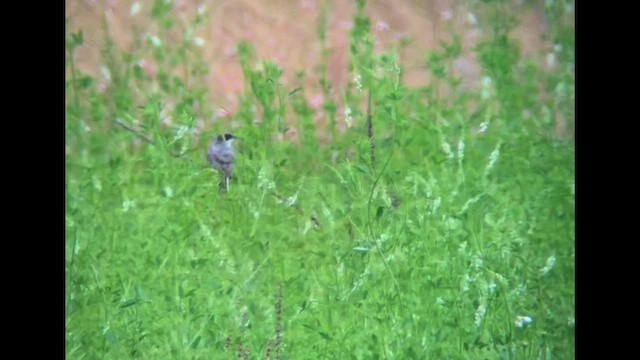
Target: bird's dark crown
[226, 137]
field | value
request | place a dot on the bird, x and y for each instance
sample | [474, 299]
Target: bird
[222, 157]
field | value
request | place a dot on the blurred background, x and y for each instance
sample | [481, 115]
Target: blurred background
[288, 33]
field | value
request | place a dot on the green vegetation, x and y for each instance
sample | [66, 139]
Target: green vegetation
[444, 247]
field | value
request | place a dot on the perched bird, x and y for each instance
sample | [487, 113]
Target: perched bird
[222, 157]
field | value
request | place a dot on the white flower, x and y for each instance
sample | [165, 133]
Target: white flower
[491, 288]
[104, 71]
[182, 130]
[465, 283]
[461, 149]
[462, 248]
[452, 223]
[551, 260]
[135, 8]
[470, 202]
[476, 261]
[382, 239]
[155, 41]
[472, 18]
[483, 127]
[480, 312]
[198, 41]
[523, 321]
[264, 179]
[486, 87]
[358, 80]
[551, 59]
[206, 232]
[291, 200]
[128, 205]
[436, 205]
[493, 158]
[447, 150]
[347, 116]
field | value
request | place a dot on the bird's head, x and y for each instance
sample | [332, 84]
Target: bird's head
[227, 139]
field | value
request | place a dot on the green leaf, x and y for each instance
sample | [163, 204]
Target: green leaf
[77, 38]
[128, 303]
[363, 169]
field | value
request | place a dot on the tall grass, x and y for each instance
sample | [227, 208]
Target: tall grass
[422, 231]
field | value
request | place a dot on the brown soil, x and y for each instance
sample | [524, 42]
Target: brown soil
[285, 31]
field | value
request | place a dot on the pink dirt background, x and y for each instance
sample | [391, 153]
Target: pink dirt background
[285, 32]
